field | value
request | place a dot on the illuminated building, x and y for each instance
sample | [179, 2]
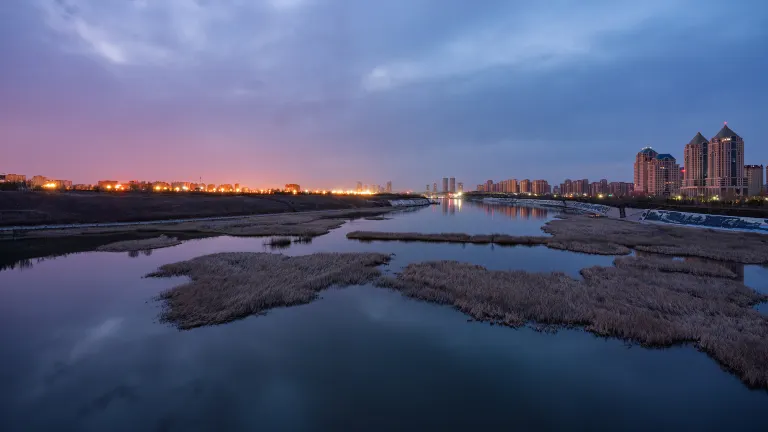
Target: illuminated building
[460, 187]
[15, 178]
[754, 175]
[525, 186]
[109, 185]
[725, 161]
[695, 158]
[359, 187]
[664, 176]
[540, 187]
[292, 187]
[434, 187]
[643, 170]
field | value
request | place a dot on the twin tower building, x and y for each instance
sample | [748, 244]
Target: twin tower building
[713, 168]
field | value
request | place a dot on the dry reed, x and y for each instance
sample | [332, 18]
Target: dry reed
[228, 286]
[720, 245]
[674, 266]
[500, 239]
[650, 307]
[279, 241]
[140, 245]
[607, 236]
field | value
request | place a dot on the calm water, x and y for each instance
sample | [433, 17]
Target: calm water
[82, 351]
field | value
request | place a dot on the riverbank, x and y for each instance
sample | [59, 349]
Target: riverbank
[16, 247]
[45, 208]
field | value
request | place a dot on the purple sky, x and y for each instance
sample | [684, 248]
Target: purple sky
[328, 92]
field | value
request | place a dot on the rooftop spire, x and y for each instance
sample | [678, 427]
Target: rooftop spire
[726, 132]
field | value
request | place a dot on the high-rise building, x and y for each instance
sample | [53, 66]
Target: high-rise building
[556, 190]
[427, 188]
[566, 188]
[664, 176]
[389, 187]
[696, 160]
[643, 170]
[489, 186]
[514, 186]
[452, 185]
[725, 161]
[525, 186]
[754, 179]
[603, 186]
[460, 187]
[540, 187]
[434, 187]
[445, 184]
[359, 187]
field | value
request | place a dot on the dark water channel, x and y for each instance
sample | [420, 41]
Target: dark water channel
[82, 351]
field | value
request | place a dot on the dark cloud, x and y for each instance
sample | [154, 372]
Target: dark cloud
[411, 91]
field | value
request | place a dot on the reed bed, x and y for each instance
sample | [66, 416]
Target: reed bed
[669, 265]
[719, 245]
[228, 286]
[279, 241]
[594, 247]
[632, 301]
[140, 245]
[500, 239]
[607, 236]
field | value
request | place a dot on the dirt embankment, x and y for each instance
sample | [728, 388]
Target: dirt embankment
[42, 208]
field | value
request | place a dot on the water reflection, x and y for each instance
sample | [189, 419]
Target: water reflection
[515, 212]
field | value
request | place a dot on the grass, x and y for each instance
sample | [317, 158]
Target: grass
[633, 301]
[229, 286]
[140, 245]
[500, 239]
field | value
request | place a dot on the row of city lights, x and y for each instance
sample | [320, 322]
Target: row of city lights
[120, 187]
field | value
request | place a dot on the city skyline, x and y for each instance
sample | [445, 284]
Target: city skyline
[247, 92]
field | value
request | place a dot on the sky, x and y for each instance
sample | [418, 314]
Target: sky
[325, 93]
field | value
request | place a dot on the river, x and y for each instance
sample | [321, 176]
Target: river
[83, 351]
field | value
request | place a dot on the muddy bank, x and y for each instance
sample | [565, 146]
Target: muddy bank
[652, 303]
[228, 286]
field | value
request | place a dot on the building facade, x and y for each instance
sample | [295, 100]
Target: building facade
[525, 186]
[664, 176]
[540, 187]
[452, 185]
[725, 161]
[642, 175]
[695, 157]
[755, 181]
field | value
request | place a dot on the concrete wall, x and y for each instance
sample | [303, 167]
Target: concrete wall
[706, 220]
